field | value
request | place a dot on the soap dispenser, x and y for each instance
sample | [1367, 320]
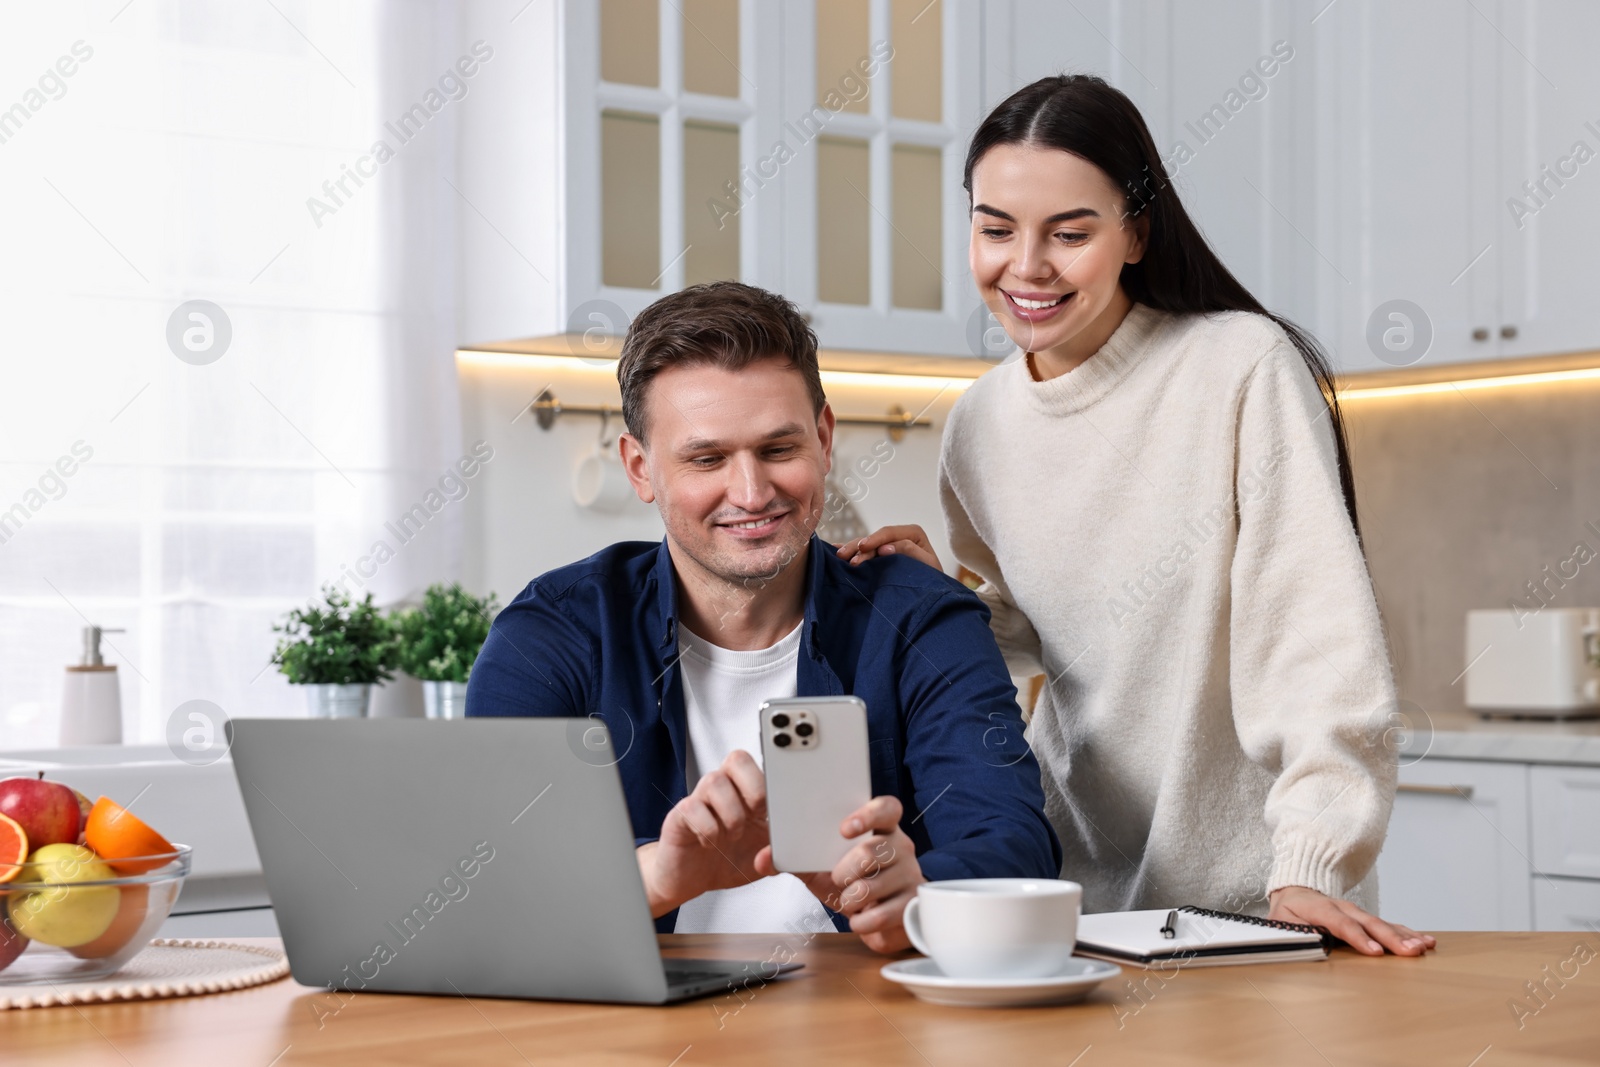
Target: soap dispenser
[91, 699]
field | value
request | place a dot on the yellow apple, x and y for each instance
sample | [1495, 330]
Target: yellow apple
[60, 914]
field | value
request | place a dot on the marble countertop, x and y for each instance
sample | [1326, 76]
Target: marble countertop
[1505, 740]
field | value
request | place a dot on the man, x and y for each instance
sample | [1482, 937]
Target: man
[674, 646]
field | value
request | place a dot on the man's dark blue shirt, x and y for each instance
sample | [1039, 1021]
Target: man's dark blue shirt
[599, 638]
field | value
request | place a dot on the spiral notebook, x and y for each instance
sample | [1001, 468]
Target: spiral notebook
[1204, 938]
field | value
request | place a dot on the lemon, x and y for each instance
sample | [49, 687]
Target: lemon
[61, 914]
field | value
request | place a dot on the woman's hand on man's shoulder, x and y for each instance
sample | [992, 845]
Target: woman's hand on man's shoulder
[909, 540]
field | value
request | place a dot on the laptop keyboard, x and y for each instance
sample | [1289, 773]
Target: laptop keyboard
[676, 975]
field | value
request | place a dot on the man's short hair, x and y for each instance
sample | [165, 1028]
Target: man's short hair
[723, 324]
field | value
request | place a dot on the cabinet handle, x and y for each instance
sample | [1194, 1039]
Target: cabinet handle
[1462, 791]
[1508, 332]
[1481, 333]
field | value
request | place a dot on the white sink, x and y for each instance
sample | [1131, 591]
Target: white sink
[199, 806]
[85, 756]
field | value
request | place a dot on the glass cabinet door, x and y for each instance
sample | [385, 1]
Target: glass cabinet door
[813, 147]
[886, 90]
[665, 86]
[876, 244]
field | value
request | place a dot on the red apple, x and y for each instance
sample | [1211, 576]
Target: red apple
[48, 812]
[11, 942]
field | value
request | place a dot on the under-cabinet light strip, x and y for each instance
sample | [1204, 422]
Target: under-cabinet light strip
[607, 367]
[1463, 384]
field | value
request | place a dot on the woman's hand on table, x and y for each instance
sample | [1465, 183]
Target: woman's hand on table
[909, 540]
[876, 879]
[1365, 933]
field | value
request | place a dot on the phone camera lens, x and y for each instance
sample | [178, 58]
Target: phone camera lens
[804, 729]
[781, 740]
[780, 720]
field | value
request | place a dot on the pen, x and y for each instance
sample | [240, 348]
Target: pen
[1170, 930]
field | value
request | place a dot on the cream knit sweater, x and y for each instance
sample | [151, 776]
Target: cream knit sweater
[1161, 532]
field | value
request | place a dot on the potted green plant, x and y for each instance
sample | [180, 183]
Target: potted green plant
[338, 650]
[439, 642]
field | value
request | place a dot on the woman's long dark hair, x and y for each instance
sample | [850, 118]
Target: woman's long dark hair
[1081, 114]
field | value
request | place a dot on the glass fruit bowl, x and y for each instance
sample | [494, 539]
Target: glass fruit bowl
[70, 915]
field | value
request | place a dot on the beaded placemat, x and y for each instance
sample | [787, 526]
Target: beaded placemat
[167, 967]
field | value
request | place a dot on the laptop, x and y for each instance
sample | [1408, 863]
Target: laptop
[464, 857]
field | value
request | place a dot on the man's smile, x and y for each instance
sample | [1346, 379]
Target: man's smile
[754, 529]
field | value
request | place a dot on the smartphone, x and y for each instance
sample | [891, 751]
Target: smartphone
[814, 751]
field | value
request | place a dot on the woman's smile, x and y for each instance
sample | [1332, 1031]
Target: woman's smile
[1036, 307]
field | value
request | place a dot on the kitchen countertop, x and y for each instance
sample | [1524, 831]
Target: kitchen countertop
[1449, 1007]
[1468, 737]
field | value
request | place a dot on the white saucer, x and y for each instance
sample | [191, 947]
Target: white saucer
[1076, 981]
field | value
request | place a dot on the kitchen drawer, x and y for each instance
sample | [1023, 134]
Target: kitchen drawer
[1566, 903]
[1456, 854]
[1566, 820]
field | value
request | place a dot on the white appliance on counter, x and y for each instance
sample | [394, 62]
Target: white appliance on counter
[1534, 665]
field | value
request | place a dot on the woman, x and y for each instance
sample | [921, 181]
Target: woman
[1158, 500]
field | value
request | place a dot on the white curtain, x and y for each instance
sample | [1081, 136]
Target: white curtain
[162, 152]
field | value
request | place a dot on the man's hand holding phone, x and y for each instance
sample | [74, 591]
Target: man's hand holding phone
[874, 881]
[718, 837]
[711, 839]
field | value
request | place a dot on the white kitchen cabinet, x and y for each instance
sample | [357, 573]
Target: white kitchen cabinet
[1548, 205]
[875, 218]
[1566, 904]
[1232, 137]
[813, 147]
[1436, 119]
[664, 117]
[1226, 90]
[1362, 170]
[1406, 157]
[1380, 163]
[1456, 854]
[1566, 834]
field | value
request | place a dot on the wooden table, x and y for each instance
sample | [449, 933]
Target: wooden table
[1451, 1008]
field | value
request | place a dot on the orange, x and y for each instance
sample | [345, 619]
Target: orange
[13, 848]
[115, 835]
[130, 916]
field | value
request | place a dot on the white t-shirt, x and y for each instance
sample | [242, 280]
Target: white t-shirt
[722, 690]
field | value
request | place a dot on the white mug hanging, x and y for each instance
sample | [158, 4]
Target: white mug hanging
[598, 481]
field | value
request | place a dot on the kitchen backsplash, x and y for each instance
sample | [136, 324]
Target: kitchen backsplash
[1483, 498]
[525, 521]
[1480, 498]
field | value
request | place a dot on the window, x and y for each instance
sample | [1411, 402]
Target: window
[225, 460]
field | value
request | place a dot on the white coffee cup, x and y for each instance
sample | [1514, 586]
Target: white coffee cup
[599, 482]
[996, 927]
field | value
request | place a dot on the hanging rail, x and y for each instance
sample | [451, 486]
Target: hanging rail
[546, 407]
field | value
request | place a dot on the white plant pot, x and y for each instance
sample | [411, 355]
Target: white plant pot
[331, 701]
[444, 700]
